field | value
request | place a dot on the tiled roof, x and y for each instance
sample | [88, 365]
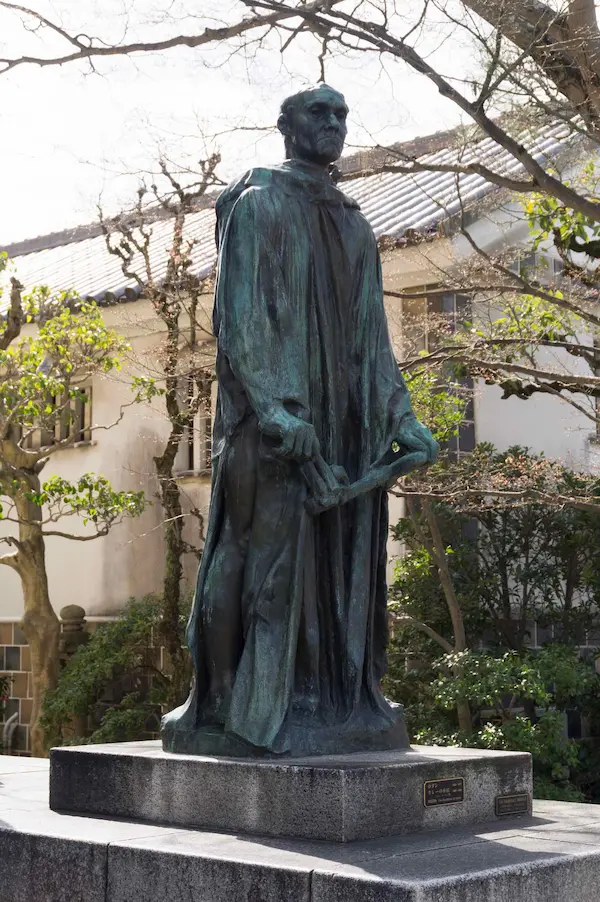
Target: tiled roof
[86, 265]
[392, 202]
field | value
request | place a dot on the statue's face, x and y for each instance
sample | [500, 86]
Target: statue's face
[316, 129]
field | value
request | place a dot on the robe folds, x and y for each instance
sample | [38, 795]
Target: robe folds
[300, 324]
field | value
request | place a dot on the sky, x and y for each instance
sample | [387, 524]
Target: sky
[72, 138]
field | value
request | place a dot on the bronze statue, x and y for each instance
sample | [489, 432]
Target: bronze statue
[288, 629]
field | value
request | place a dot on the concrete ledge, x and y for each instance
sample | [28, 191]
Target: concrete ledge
[40, 867]
[139, 874]
[49, 857]
[341, 798]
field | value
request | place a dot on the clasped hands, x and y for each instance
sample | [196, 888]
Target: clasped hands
[298, 441]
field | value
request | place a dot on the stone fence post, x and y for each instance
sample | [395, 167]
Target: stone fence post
[72, 636]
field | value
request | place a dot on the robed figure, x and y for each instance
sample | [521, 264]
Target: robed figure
[288, 629]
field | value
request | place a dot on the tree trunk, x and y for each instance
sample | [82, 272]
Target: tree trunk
[565, 44]
[170, 628]
[41, 627]
[465, 721]
[40, 624]
[438, 553]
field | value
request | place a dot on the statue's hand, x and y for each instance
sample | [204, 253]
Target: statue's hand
[298, 439]
[416, 437]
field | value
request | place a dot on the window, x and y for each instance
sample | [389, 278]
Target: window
[194, 453]
[195, 446]
[425, 321]
[457, 308]
[542, 268]
[464, 441]
[72, 425]
[76, 422]
[415, 331]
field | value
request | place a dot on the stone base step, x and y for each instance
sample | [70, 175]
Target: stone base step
[48, 857]
[340, 798]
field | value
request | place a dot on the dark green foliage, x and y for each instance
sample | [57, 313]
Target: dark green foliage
[512, 561]
[512, 564]
[113, 683]
[517, 704]
[571, 231]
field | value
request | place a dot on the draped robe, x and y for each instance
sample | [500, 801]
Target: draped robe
[300, 324]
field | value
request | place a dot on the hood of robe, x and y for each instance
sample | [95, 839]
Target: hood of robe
[289, 176]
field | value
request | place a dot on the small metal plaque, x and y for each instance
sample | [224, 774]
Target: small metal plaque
[514, 804]
[443, 792]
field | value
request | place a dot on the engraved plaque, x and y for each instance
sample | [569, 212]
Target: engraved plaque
[443, 792]
[513, 804]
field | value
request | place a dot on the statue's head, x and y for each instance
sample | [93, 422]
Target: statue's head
[313, 124]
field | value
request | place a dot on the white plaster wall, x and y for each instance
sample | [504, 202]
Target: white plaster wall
[394, 549]
[543, 424]
[103, 574]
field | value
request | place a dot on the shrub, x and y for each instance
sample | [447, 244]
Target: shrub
[112, 689]
[518, 704]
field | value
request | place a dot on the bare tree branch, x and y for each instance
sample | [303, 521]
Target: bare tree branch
[517, 185]
[10, 560]
[372, 36]
[87, 52]
[528, 287]
[525, 496]
[11, 540]
[103, 531]
[42, 20]
[405, 620]
[14, 316]
[564, 46]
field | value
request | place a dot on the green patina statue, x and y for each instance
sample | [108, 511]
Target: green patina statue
[288, 629]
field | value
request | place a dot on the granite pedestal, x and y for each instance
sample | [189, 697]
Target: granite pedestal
[551, 856]
[340, 798]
